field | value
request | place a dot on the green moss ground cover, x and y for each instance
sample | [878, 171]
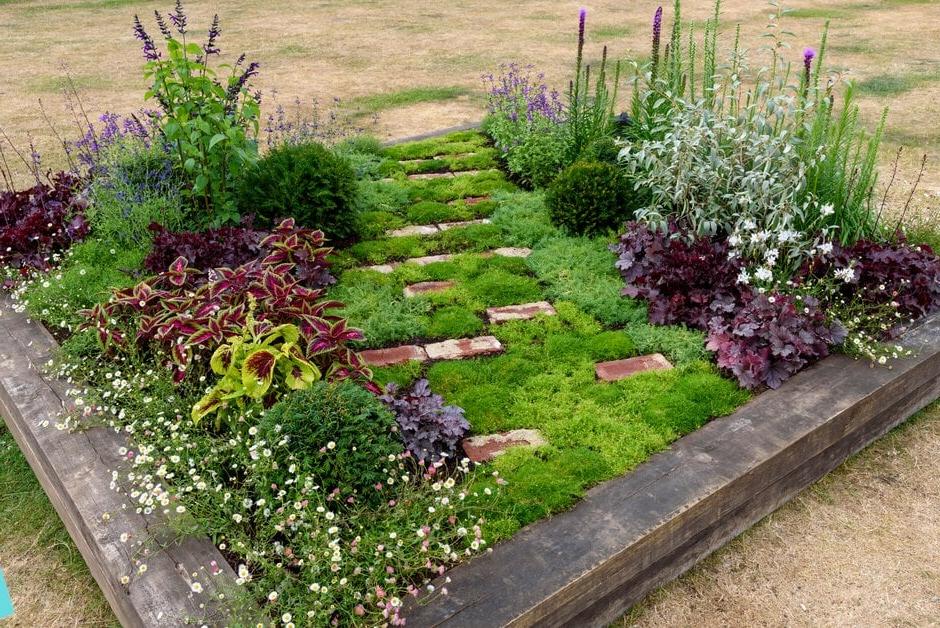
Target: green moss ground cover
[545, 379]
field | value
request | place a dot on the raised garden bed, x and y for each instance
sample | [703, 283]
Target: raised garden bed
[356, 366]
[589, 565]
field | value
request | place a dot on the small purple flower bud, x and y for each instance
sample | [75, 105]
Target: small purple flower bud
[178, 17]
[808, 55]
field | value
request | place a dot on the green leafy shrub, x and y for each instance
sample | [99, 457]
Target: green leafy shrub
[210, 126]
[340, 434]
[539, 157]
[306, 182]
[589, 198]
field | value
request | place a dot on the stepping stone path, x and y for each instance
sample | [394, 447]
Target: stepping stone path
[485, 448]
[622, 369]
[522, 312]
[430, 175]
[413, 230]
[385, 269]
[463, 348]
[441, 175]
[395, 355]
[444, 226]
[512, 251]
[447, 350]
[427, 286]
[470, 200]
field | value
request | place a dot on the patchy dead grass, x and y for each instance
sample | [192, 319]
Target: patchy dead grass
[860, 548]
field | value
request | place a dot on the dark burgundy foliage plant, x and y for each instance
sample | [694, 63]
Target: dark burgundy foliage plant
[229, 247]
[37, 222]
[684, 282]
[885, 272]
[772, 338]
[430, 430]
[226, 246]
[186, 320]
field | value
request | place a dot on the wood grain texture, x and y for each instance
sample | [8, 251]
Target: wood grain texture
[587, 566]
[74, 469]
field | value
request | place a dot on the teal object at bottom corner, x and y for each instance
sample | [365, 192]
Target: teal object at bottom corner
[6, 602]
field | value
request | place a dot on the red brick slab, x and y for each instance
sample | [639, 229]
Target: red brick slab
[427, 286]
[519, 312]
[444, 226]
[430, 175]
[412, 230]
[394, 355]
[463, 348]
[469, 200]
[485, 448]
[621, 369]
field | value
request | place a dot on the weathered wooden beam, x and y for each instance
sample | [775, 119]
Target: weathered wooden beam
[74, 469]
[587, 566]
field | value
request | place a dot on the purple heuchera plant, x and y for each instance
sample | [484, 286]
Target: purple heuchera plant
[882, 273]
[684, 282]
[430, 430]
[772, 338]
[37, 222]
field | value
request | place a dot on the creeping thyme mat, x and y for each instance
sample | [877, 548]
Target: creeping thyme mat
[545, 380]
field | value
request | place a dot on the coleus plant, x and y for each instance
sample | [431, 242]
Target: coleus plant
[182, 316]
[40, 221]
[232, 246]
[253, 365]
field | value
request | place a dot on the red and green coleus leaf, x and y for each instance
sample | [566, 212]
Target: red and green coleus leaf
[258, 371]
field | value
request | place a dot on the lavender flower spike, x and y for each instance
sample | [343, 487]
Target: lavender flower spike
[150, 50]
[214, 31]
[178, 17]
[808, 55]
[582, 16]
[657, 38]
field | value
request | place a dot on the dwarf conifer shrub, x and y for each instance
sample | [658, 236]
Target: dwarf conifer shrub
[589, 198]
[339, 433]
[306, 182]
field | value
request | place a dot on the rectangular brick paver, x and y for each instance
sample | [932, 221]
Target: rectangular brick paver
[463, 348]
[485, 448]
[427, 286]
[621, 369]
[519, 312]
[412, 230]
[444, 226]
[394, 355]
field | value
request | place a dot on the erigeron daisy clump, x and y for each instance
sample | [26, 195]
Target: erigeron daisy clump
[298, 548]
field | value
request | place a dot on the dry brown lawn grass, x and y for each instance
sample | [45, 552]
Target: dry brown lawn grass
[861, 548]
